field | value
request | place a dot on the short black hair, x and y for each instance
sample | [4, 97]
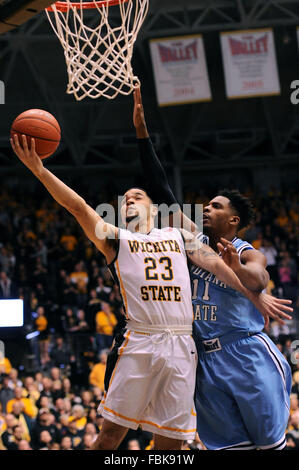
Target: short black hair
[241, 204]
[141, 182]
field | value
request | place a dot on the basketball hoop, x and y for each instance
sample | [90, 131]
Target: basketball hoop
[98, 58]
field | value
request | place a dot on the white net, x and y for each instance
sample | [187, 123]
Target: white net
[98, 40]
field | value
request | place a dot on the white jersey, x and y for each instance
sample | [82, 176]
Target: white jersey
[153, 276]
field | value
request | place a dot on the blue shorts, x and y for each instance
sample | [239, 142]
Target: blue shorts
[242, 395]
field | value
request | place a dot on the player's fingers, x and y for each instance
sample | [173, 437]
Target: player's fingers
[282, 308]
[284, 315]
[280, 313]
[137, 95]
[279, 320]
[32, 148]
[224, 241]
[284, 301]
[231, 248]
[276, 316]
[283, 305]
[220, 247]
[228, 245]
[16, 140]
[12, 144]
[25, 143]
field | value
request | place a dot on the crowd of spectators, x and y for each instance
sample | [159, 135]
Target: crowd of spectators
[50, 400]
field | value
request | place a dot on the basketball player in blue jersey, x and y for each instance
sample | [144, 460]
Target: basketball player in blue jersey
[243, 381]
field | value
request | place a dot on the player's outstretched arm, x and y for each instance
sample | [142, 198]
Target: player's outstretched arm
[100, 233]
[154, 170]
[250, 267]
[206, 258]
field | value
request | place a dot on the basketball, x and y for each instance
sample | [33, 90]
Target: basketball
[40, 125]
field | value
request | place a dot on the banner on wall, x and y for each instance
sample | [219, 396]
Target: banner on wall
[250, 64]
[180, 70]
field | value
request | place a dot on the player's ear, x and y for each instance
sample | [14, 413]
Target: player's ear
[154, 210]
[235, 220]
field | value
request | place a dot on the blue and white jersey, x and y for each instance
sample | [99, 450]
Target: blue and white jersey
[219, 309]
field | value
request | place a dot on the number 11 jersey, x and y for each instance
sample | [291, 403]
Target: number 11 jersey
[218, 309]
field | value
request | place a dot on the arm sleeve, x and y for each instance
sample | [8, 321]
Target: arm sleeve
[154, 171]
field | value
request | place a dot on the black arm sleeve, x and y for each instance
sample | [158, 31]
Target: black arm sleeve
[155, 174]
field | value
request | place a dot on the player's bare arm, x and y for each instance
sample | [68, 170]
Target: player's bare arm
[103, 235]
[250, 267]
[205, 257]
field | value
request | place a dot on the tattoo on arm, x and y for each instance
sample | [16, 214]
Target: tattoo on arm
[204, 252]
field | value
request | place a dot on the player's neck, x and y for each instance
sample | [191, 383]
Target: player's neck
[144, 227]
[216, 238]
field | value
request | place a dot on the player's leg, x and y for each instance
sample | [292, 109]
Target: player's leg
[170, 415]
[166, 443]
[110, 437]
[219, 423]
[130, 381]
[265, 405]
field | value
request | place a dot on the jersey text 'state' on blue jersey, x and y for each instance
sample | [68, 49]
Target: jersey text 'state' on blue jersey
[219, 309]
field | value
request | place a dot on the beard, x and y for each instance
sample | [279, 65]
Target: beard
[130, 218]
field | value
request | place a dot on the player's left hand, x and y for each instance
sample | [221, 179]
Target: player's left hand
[229, 254]
[272, 307]
[138, 116]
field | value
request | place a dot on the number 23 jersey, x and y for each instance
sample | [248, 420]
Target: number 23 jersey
[153, 276]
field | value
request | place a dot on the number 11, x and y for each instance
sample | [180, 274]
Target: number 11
[206, 290]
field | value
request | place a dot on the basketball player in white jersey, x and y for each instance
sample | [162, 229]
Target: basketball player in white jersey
[150, 376]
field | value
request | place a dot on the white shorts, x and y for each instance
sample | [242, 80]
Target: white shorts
[152, 385]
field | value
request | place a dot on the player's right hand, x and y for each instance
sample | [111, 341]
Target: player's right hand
[269, 306]
[28, 156]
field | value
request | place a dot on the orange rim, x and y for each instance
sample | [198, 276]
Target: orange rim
[63, 6]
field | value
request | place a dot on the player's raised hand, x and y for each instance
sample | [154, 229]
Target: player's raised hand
[272, 307]
[27, 155]
[138, 116]
[229, 254]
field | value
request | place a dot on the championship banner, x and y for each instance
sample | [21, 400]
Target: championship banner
[180, 70]
[250, 64]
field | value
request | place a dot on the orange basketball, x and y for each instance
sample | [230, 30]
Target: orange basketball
[42, 126]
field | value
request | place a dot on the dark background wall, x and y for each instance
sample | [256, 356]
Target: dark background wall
[224, 139]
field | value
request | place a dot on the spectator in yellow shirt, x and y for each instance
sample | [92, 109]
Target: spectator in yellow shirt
[78, 416]
[80, 277]
[283, 219]
[29, 409]
[105, 324]
[41, 324]
[97, 374]
[68, 240]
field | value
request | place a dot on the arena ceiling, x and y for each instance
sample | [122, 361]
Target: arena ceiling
[99, 135]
